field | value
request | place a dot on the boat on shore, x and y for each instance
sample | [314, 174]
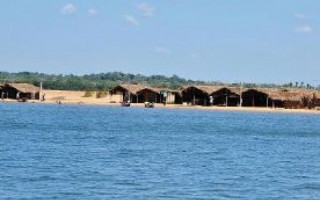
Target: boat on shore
[126, 104]
[149, 105]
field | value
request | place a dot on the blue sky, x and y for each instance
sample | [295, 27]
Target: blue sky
[228, 40]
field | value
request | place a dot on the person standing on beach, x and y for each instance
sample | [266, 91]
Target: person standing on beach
[211, 100]
[164, 95]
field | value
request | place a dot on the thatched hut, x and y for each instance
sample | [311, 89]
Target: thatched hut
[286, 100]
[198, 95]
[20, 91]
[129, 92]
[149, 95]
[169, 96]
[257, 97]
[226, 96]
[141, 94]
[291, 98]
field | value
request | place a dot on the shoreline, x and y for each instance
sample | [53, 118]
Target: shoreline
[178, 107]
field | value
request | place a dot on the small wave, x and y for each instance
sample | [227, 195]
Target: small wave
[308, 186]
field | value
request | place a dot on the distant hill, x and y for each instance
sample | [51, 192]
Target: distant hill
[106, 81]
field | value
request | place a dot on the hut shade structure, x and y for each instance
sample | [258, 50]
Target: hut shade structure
[226, 97]
[141, 94]
[129, 92]
[198, 95]
[20, 91]
[149, 95]
[255, 98]
[291, 99]
[172, 96]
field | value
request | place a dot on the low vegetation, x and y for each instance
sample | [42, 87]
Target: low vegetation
[106, 81]
[88, 93]
[101, 94]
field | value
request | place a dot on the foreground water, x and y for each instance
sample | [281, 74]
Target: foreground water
[83, 152]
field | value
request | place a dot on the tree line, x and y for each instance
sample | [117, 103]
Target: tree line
[106, 81]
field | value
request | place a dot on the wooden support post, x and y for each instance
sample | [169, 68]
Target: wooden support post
[226, 100]
[41, 92]
[194, 98]
[240, 94]
[253, 100]
[272, 103]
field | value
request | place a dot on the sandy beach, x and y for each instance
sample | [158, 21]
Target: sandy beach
[99, 102]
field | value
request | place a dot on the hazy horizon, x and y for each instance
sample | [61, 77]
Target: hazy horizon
[210, 40]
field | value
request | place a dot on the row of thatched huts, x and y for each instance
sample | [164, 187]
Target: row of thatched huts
[193, 95]
[141, 94]
[221, 96]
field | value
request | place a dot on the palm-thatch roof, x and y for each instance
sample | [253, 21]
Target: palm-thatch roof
[265, 91]
[205, 89]
[290, 94]
[133, 89]
[24, 87]
[154, 90]
[233, 90]
[159, 90]
[176, 92]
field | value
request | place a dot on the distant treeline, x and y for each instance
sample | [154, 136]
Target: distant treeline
[106, 81]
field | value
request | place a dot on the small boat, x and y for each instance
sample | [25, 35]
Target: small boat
[149, 105]
[22, 100]
[125, 104]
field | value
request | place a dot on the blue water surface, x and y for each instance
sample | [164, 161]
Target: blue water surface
[97, 152]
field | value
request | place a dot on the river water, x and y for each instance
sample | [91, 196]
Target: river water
[96, 152]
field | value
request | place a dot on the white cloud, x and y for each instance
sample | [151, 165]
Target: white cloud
[304, 29]
[93, 12]
[162, 51]
[146, 9]
[68, 9]
[300, 16]
[131, 20]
